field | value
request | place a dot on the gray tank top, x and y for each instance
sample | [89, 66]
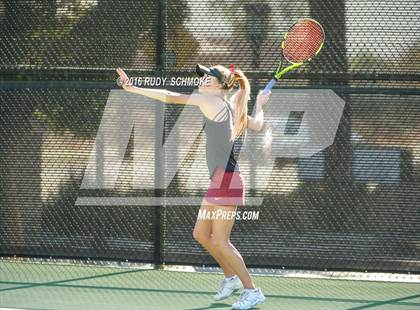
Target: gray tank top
[219, 149]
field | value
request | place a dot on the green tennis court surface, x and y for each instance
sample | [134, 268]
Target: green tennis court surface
[36, 286]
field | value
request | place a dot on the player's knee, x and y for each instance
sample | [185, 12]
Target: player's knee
[201, 237]
[218, 243]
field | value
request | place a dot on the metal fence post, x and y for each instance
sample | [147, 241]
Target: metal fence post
[159, 131]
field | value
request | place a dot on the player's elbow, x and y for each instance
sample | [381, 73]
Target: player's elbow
[256, 126]
[259, 126]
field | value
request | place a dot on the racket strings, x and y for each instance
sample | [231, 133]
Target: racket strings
[303, 41]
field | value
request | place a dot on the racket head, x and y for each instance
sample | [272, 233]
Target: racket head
[303, 41]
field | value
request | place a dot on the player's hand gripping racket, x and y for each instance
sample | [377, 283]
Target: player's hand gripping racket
[301, 43]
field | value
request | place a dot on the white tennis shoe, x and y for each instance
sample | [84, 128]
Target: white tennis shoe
[249, 298]
[228, 287]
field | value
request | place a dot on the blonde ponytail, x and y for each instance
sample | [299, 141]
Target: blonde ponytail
[240, 101]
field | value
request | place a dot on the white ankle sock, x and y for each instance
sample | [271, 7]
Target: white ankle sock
[231, 278]
[252, 289]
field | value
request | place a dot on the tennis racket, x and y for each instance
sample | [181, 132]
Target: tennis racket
[301, 43]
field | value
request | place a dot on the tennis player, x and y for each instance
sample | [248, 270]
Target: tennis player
[226, 120]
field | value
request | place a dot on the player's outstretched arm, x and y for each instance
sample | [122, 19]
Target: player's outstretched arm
[162, 95]
[256, 122]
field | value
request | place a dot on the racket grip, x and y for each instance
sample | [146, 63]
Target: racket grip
[269, 86]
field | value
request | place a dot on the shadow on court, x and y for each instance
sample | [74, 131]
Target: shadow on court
[212, 306]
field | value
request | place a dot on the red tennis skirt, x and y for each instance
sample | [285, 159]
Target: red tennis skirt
[226, 189]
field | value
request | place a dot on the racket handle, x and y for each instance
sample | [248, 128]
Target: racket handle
[269, 86]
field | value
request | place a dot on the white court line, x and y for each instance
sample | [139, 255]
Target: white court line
[313, 274]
